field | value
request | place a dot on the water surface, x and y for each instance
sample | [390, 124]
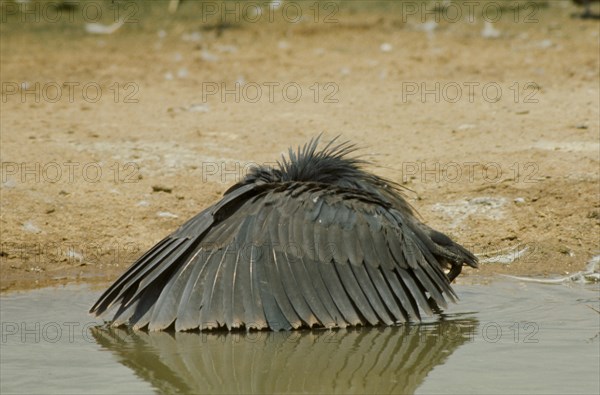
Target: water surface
[503, 337]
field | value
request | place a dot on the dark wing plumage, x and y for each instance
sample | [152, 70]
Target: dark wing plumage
[284, 253]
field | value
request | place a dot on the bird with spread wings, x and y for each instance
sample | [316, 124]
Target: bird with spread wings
[316, 241]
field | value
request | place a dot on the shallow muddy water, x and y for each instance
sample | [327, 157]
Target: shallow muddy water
[504, 336]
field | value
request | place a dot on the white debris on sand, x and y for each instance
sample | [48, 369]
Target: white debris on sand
[191, 37]
[182, 73]
[345, 70]
[466, 126]
[504, 256]
[489, 31]
[427, 27]
[208, 56]
[226, 48]
[591, 274]
[166, 214]
[30, 227]
[74, 255]
[195, 107]
[386, 47]
[488, 207]
[99, 28]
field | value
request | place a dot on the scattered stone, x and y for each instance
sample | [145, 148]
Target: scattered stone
[161, 188]
[593, 214]
[563, 249]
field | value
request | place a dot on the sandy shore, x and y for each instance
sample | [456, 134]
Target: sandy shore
[111, 141]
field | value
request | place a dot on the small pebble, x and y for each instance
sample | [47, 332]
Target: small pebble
[161, 188]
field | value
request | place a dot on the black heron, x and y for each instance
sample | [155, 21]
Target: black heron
[314, 241]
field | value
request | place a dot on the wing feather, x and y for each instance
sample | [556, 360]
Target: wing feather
[282, 256]
[332, 289]
[253, 306]
[293, 248]
[376, 275]
[188, 315]
[275, 277]
[125, 286]
[313, 289]
[296, 287]
[214, 293]
[165, 311]
[415, 291]
[353, 289]
[407, 302]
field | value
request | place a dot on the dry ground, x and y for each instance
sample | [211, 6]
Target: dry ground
[91, 181]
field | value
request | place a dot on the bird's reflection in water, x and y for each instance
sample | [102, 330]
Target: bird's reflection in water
[373, 360]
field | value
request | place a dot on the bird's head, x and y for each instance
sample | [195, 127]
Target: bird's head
[332, 165]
